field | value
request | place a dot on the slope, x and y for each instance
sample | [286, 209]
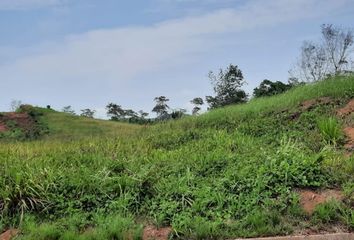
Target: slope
[240, 171]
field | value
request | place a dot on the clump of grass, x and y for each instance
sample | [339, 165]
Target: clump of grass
[330, 129]
[328, 212]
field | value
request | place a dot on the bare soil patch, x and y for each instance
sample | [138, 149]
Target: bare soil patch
[309, 104]
[153, 233]
[9, 234]
[349, 133]
[348, 109]
[22, 120]
[310, 199]
[3, 127]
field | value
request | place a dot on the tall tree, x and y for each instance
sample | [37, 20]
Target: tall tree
[161, 107]
[314, 62]
[227, 87]
[331, 56]
[339, 44]
[197, 102]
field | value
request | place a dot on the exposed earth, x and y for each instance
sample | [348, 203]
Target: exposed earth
[310, 199]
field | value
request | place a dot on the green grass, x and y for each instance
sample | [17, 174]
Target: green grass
[330, 129]
[66, 127]
[229, 173]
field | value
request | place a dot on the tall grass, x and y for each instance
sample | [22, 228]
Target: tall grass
[330, 129]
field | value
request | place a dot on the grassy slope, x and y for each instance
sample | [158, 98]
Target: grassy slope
[65, 126]
[228, 173]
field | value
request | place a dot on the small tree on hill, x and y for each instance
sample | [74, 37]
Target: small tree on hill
[227, 87]
[178, 113]
[115, 111]
[269, 88]
[69, 110]
[161, 106]
[143, 114]
[14, 105]
[87, 113]
[197, 102]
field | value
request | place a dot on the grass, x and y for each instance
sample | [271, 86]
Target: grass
[229, 173]
[330, 129]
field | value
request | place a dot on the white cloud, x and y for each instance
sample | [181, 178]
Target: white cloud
[112, 57]
[27, 4]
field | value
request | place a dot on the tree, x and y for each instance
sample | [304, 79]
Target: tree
[143, 114]
[68, 109]
[161, 107]
[178, 113]
[227, 87]
[269, 88]
[115, 111]
[331, 56]
[14, 105]
[339, 44]
[197, 102]
[87, 113]
[313, 63]
[129, 113]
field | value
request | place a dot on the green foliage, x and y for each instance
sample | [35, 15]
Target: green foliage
[330, 129]
[269, 88]
[229, 173]
[328, 212]
[227, 87]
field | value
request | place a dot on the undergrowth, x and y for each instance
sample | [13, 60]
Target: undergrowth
[229, 173]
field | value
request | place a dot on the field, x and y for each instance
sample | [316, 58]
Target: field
[233, 172]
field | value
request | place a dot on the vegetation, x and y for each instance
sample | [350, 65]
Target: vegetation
[227, 87]
[330, 57]
[269, 88]
[232, 172]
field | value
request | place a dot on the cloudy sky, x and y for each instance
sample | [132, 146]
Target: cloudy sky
[87, 53]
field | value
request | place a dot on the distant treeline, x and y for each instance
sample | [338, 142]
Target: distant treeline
[317, 61]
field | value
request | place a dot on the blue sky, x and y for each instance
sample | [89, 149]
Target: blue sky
[87, 53]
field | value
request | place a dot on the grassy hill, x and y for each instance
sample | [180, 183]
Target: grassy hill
[238, 171]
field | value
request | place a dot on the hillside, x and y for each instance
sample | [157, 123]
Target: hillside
[275, 166]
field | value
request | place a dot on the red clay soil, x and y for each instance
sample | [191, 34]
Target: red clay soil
[348, 109]
[310, 199]
[153, 233]
[3, 127]
[9, 234]
[309, 104]
[349, 133]
[22, 120]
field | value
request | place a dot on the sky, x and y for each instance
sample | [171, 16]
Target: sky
[88, 53]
